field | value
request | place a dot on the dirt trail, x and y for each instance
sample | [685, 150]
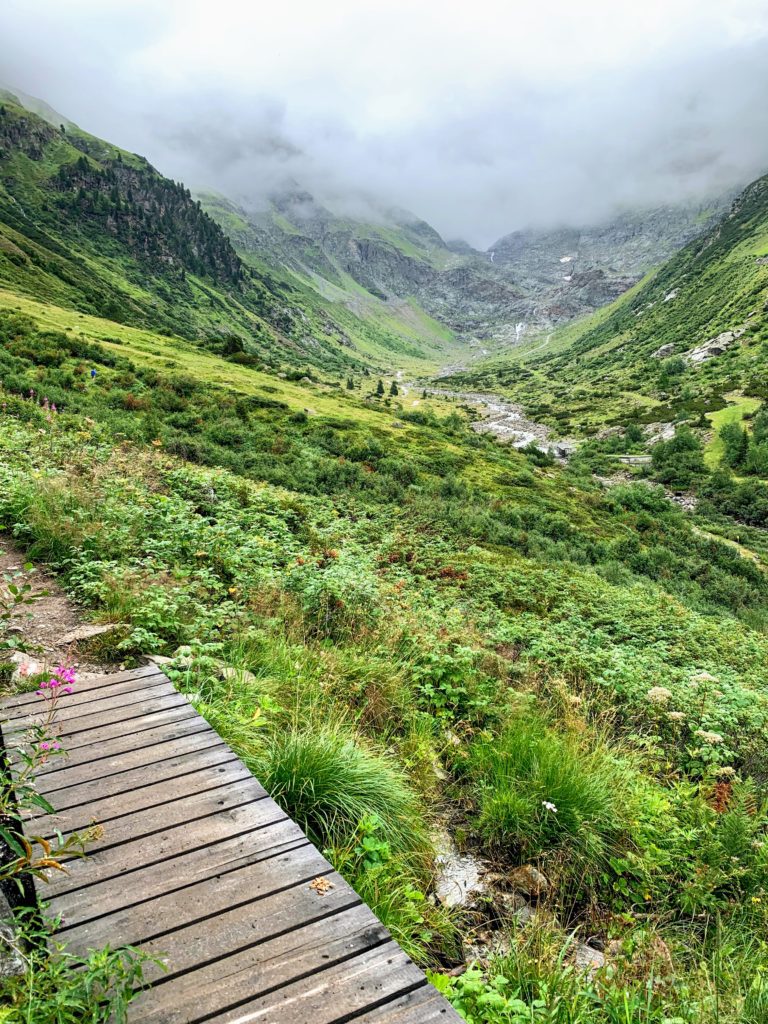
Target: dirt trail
[52, 627]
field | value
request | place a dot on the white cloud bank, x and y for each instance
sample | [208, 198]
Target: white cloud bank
[481, 117]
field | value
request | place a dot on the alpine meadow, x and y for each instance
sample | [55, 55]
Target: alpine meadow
[461, 548]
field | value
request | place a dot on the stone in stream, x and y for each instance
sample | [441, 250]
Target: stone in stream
[587, 958]
[529, 881]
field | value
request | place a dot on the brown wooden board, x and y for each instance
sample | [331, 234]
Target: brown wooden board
[91, 887]
[85, 684]
[215, 834]
[198, 866]
[423, 1005]
[147, 811]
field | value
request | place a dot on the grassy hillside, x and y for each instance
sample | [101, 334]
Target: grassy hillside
[86, 225]
[558, 675]
[609, 370]
[431, 634]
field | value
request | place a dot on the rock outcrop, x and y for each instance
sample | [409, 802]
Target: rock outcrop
[714, 347]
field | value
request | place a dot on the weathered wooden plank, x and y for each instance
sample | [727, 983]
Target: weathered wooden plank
[111, 860]
[106, 758]
[206, 922]
[80, 697]
[423, 1005]
[179, 711]
[85, 684]
[338, 993]
[91, 724]
[216, 780]
[141, 881]
[265, 967]
[129, 714]
[124, 790]
[121, 772]
[76, 709]
[209, 806]
[97, 728]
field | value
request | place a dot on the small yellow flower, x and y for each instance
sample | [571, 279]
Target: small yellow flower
[232, 590]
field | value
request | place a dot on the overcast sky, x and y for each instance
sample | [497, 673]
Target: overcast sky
[481, 116]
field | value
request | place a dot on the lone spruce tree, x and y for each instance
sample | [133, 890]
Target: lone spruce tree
[380, 388]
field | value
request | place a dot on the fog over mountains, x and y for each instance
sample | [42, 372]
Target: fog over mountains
[472, 121]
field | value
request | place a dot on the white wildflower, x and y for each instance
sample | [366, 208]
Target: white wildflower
[659, 695]
[703, 677]
[549, 806]
[676, 716]
[709, 737]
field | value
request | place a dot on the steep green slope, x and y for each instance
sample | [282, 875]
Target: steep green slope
[637, 359]
[85, 224]
[428, 627]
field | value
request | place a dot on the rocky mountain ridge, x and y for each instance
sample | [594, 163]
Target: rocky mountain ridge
[528, 282]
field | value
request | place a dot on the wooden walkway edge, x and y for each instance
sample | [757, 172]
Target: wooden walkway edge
[200, 867]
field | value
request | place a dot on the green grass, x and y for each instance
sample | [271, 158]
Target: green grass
[543, 791]
[738, 407]
[328, 782]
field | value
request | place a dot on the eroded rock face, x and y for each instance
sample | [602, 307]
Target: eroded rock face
[663, 352]
[715, 346]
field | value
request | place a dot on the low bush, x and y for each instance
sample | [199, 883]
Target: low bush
[329, 782]
[540, 790]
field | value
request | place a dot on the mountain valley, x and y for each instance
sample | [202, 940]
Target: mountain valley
[463, 553]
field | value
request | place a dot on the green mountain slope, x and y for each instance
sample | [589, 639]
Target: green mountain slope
[648, 355]
[85, 224]
[407, 630]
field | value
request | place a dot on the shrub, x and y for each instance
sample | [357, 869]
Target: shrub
[328, 782]
[541, 790]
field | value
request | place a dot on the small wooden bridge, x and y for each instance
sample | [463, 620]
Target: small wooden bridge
[200, 867]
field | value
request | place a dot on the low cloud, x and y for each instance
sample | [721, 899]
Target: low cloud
[480, 122]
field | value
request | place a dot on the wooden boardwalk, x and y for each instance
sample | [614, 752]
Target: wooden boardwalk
[199, 866]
